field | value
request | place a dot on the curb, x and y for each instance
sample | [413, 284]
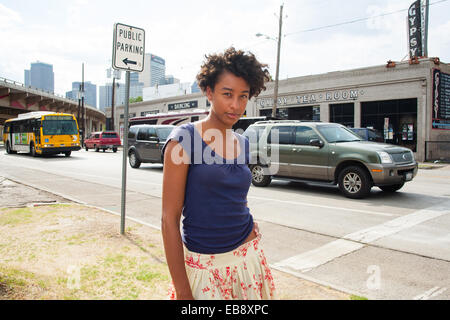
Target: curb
[431, 166]
[77, 201]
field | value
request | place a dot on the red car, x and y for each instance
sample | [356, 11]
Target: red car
[103, 140]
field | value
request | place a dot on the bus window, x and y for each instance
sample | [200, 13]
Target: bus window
[59, 127]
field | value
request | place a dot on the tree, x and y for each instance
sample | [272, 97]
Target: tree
[137, 99]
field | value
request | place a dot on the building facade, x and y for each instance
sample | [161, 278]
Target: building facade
[408, 103]
[397, 99]
[105, 94]
[154, 71]
[90, 93]
[165, 91]
[179, 103]
[40, 76]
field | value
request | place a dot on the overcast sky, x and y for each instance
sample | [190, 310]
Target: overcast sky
[70, 32]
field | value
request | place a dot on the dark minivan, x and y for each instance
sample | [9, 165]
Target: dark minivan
[145, 143]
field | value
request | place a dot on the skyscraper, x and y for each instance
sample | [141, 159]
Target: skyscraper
[195, 88]
[154, 71]
[90, 93]
[105, 96]
[40, 76]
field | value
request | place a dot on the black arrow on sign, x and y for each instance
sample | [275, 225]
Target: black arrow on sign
[126, 61]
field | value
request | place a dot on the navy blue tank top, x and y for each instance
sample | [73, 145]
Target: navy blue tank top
[216, 218]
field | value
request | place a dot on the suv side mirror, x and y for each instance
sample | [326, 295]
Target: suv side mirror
[316, 143]
[154, 139]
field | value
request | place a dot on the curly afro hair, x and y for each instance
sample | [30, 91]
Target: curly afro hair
[237, 62]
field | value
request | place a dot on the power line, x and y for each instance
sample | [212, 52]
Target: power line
[356, 20]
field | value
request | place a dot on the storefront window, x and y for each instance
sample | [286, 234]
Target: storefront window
[295, 113]
[396, 119]
[343, 113]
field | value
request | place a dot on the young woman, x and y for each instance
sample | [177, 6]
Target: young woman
[206, 179]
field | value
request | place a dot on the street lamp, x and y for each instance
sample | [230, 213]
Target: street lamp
[275, 90]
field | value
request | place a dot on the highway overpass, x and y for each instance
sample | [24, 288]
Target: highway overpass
[16, 98]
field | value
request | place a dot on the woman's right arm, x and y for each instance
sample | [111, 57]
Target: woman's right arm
[174, 183]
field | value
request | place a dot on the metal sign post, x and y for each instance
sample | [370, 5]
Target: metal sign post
[124, 153]
[128, 54]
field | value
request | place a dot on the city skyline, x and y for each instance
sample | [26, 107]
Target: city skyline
[67, 34]
[40, 76]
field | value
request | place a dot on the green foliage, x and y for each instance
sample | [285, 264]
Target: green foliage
[137, 99]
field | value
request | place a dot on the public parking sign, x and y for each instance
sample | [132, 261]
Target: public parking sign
[128, 48]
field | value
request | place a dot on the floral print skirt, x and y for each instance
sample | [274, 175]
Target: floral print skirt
[241, 274]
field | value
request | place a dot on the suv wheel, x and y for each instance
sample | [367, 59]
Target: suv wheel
[392, 188]
[134, 161]
[354, 182]
[258, 177]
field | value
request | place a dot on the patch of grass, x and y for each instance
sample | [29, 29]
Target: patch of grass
[148, 275]
[15, 279]
[354, 297]
[121, 276]
[61, 205]
[13, 217]
[122, 268]
[50, 231]
[78, 238]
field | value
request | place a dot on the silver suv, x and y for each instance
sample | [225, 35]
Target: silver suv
[326, 152]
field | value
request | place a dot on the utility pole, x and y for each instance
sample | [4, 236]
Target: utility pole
[83, 123]
[79, 108]
[275, 90]
[112, 103]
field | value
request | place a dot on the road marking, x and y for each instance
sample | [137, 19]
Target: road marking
[430, 293]
[322, 206]
[67, 174]
[309, 260]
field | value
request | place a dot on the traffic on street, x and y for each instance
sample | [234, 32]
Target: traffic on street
[377, 247]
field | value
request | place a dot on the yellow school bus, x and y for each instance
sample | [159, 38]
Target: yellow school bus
[42, 132]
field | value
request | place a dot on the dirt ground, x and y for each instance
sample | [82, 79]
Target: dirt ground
[52, 249]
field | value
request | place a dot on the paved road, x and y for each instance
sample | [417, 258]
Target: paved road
[388, 246]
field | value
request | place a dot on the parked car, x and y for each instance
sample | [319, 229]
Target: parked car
[103, 140]
[368, 134]
[145, 143]
[327, 152]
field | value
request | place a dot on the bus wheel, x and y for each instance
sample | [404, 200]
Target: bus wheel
[32, 150]
[68, 153]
